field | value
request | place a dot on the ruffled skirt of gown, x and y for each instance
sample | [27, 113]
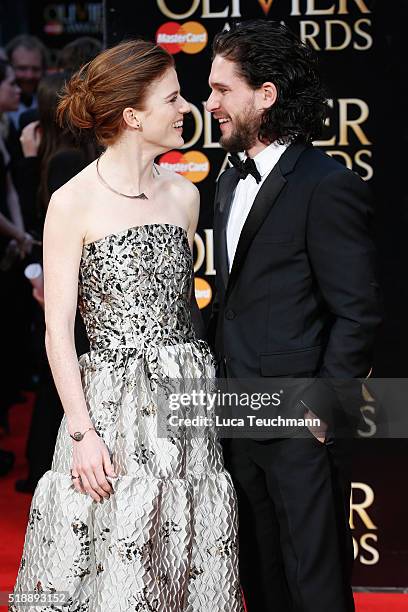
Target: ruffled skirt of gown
[166, 540]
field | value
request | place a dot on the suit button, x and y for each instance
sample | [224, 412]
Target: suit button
[230, 314]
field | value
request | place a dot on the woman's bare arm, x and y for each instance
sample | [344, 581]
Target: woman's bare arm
[63, 239]
[62, 252]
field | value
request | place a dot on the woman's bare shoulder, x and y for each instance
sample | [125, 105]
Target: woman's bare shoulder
[79, 184]
[76, 194]
[73, 200]
[182, 192]
[178, 183]
[180, 189]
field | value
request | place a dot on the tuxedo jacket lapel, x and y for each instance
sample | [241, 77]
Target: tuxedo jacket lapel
[225, 198]
[264, 201]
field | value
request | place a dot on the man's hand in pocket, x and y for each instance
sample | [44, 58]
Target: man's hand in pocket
[319, 431]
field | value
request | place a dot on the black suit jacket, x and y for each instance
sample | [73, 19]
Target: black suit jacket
[302, 298]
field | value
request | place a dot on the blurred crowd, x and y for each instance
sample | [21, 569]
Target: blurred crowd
[37, 156]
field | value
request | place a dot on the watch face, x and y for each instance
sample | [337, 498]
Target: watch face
[78, 436]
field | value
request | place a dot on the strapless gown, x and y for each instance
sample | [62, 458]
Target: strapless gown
[166, 540]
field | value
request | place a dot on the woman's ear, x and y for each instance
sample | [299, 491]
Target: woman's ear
[130, 118]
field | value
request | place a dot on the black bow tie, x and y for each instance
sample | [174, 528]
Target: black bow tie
[246, 167]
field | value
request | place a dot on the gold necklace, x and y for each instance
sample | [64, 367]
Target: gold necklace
[141, 196]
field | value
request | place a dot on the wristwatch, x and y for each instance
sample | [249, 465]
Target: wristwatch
[78, 436]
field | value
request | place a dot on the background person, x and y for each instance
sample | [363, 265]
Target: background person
[15, 246]
[29, 58]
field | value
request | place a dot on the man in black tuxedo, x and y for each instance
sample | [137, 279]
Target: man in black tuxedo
[296, 297]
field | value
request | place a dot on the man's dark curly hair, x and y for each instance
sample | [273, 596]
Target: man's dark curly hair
[268, 51]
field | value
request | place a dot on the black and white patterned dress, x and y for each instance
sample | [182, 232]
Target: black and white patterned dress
[166, 540]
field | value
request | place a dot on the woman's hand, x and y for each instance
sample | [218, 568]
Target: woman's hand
[38, 295]
[30, 139]
[320, 431]
[92, 463]
[25, 244]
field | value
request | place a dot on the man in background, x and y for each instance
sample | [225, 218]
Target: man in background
[28, 56]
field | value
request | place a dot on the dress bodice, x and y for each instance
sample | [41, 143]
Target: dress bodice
[134, 287]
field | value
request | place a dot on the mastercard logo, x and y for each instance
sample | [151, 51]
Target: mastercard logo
[190, 37]
[203, 292]
[193, 164]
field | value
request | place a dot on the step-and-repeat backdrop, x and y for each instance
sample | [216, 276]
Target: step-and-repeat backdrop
[358, 52]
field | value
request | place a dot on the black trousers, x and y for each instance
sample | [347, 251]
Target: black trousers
[296, 550]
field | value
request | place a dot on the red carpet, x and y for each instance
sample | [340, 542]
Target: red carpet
[14, 508]
[381, 602]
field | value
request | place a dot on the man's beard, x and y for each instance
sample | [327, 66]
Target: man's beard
[244, 134]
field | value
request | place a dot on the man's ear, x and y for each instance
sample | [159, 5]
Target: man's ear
[268, 94]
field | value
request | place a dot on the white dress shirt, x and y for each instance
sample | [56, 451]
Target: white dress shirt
[246, 192]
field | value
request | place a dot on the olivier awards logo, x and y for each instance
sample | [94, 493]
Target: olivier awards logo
[204, 254]
[231, 8]
[169, 8]
[333, 26]
[346, 136]
[325, 25]
[190, 37]
[365, 539]
[194, 165]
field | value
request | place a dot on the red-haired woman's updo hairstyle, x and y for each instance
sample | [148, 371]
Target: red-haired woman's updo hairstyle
[119, 77]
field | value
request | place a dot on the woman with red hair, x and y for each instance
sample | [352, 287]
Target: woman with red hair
[134, 514]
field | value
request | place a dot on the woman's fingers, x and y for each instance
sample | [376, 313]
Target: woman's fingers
[104, 485]
[94, 471]
[30, 139]
[81, 486]
[93, 481]
[77, 482]
[107, 465]
[39, 296]
[37, 136]
[88, 488]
